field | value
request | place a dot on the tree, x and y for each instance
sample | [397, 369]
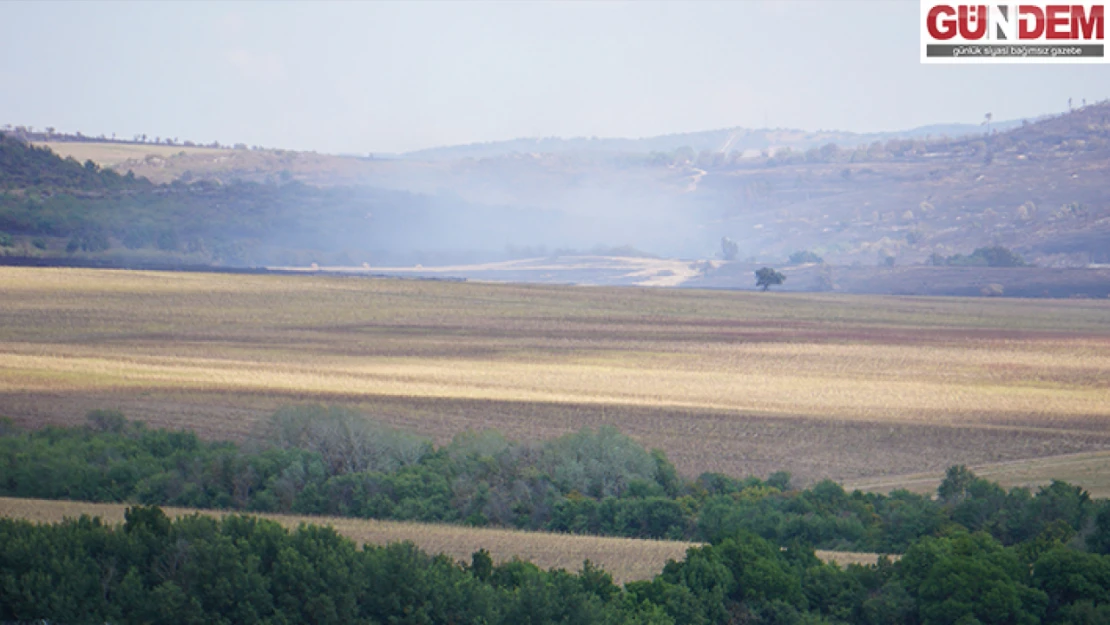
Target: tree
[768, 277]
[107, 420]
[729, 248]
[1099, 539]
[803, 257]
[956, 482]
[996, 256]
[481, 565]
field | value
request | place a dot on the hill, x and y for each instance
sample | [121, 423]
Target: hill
[165, 163]
[1036, 189]
[739, 139]
[57, 209]
[24, 166]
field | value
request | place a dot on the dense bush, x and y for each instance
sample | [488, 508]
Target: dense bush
[982, 257]
[245, 570]
[23, 165]
[317, 460]
[975, 554]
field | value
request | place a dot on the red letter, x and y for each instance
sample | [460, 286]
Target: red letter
[934, 23]
[1057, 15]
[1033, 27]
[1086, 25]
[980, 15]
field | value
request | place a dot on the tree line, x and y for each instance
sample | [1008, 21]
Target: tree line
[50, 133]
[23, 165]
[996, 256]
[319, 460]
[242, 569]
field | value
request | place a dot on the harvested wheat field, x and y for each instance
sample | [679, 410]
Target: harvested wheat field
[1091, 470]
[626, 559]
[822, 385]
[108, 154]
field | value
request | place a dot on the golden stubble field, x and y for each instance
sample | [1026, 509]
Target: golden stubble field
[163, 164]
[1091, 469]
[113, 154]
[848, 387]
[626, 559]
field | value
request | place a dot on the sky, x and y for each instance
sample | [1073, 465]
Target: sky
[382, 77]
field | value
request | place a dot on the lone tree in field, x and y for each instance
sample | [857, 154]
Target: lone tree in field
[767, 278]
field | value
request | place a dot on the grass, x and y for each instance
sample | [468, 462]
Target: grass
[627, 559]
[113, 154]
[1091, 470]
[171, 162]
[849, 387]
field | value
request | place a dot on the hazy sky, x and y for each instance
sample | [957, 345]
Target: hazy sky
[383, 76]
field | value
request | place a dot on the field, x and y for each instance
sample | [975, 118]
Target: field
[847, 387]
[166, 163]
[626, 559]
[1092, 470]
[112, 154]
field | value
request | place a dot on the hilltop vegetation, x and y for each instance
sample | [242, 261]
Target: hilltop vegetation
[24, 166]
[725, 140]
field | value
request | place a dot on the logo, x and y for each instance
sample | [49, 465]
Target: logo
[1030, 32]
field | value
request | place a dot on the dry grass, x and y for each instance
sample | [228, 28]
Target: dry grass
[626, 559]
[1091, 470]
[113, 154]
[735, 382]
[166, 163]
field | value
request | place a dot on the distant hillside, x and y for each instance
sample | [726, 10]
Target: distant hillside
[1038, 189]
[23, 165]
[723, 140]
[54, 208]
